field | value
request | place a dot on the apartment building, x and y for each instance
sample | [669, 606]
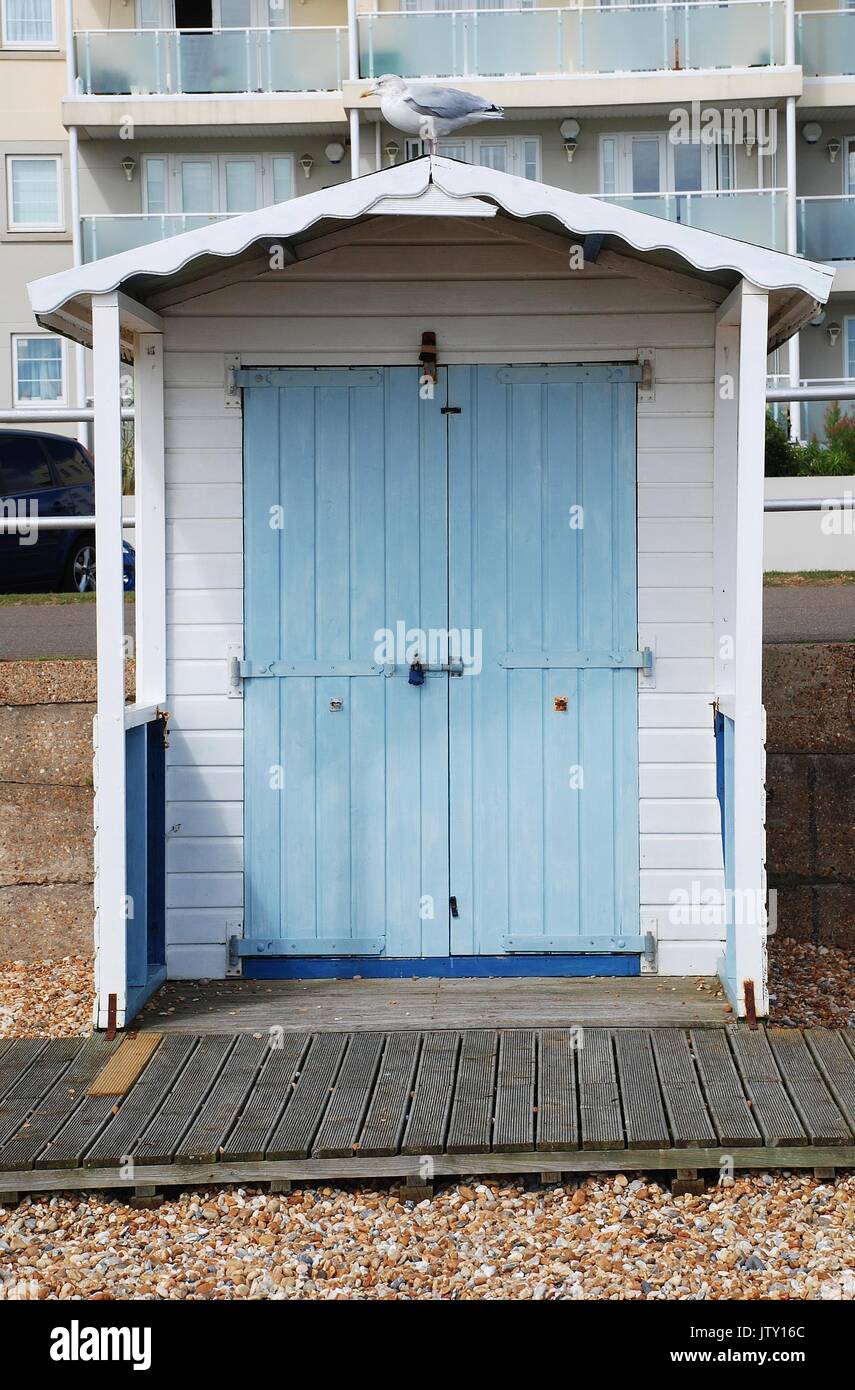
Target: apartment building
[736, 117]
[37, 227]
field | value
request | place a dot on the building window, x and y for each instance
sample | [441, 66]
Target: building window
[508, 156]
[214, 185]
[39, 370]
[29, 24]
[33, 192]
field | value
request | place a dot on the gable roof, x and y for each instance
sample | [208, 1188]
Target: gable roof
[435, 186]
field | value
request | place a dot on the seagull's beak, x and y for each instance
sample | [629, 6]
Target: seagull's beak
[369, 92]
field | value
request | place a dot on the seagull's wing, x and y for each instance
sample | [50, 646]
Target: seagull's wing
[448, 103]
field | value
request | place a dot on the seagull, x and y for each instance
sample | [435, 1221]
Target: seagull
[430, 112]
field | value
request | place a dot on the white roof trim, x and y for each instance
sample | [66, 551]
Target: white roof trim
[461, 184]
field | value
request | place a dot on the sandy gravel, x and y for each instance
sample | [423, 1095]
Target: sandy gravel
[46, 999]
[810, 986]
[619, 1238]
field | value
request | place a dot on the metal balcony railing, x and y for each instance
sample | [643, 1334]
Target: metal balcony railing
[169, 62]
[756, 215]
[581, 39]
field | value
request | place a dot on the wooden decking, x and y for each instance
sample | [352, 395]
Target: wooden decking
[239, 1107]
[356, 1006]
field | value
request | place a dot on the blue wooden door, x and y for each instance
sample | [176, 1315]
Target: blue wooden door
[489, 813]
[346, 763]
[543, 742]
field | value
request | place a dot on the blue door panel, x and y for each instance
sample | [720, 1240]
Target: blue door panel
[368, 508]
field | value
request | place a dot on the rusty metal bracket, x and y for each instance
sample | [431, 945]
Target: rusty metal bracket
[750, 1004]
[427, 356]
[164, 717]
[111, 1016]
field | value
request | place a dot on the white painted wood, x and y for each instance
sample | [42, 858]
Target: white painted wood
[191, 500]
[110, 882]
[677, 639]
[195, 962]
[196, 677]
[687, 536]
[679, 815]
[689, 676]
[206, 712]
[747, 940]
[204, 890]
[209, 641]
[668, 500]
[204, 537]
[724, 512]
[674, 604]
[689, 957]
[217, 748]
[675, 571]
[675, 465]
[210, 784]
[213, 605]
[197, 571]
[205, 818]
[674, 887]
[189, 926]
[681, 851]
[677, 745]
[677, 779]
[150, 531]
[200, 855]
[660, 709]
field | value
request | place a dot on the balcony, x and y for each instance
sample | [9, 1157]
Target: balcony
[577, 40]
[825, 42]
[166, 62]
[826, 228]
[812, 414]
[756, 215]
[107, 235]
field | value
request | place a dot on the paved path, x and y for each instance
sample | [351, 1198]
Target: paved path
[40, 630]
[809, 613]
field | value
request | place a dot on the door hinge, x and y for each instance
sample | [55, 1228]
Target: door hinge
[451, 410]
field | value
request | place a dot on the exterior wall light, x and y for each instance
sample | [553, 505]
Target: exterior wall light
[811, 132]
[833, 331]
[130, 167]
[569, 131]
[334, 152]
[306, 164]
[391, 151]
[832, 149]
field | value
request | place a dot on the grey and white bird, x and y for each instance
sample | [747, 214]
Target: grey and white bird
[417, 108]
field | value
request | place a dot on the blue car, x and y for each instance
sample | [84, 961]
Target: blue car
[49, 475]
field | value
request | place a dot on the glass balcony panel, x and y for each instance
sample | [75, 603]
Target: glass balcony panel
[756, 217]
[514, 44]
[622, 40]
[302, 60]
[223, 62]
[827, 228]
[107, 236]
[825, 43]
[718, 36]
[412, 45]
[123, 62]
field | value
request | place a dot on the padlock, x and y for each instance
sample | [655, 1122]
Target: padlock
[417, 674]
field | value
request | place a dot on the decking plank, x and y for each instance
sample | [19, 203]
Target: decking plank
[726, 1100]
[292, 1137]
[219, 1113]
[557, 1117]
[513, 1131]
[35, 1083]
[20, 1054]
[836, 1064]
[141, 1104]
[433, 1093]
[770, 1105]
[351, 1096]
[52, 1113]
[643, 1112]
[161, 1138]
[808, 1092]
[270, 1094]
[689, 1122]
[599, 1096]
[387, 1113]
[470, 1126]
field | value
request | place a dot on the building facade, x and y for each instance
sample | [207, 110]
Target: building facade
[737, 118]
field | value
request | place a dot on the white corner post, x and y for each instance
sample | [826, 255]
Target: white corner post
[150, 516]
[741, 339]
[353, 74]
[110, 907]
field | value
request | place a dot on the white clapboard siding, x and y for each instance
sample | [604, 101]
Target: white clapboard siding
[205, 818]
[330, 312]
[204, 890]
[196, 855]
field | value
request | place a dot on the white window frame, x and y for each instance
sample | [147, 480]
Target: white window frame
[14, 226]
[848, 147]
[46, 44]
[623, 165]
[848, 327]
[173, 162]
[259, 15]
[471, 145]
[27, 403]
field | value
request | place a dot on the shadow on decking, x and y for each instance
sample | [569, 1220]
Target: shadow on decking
[233, 1006]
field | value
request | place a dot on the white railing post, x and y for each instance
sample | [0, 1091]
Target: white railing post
[110, 904]
[150, 512]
